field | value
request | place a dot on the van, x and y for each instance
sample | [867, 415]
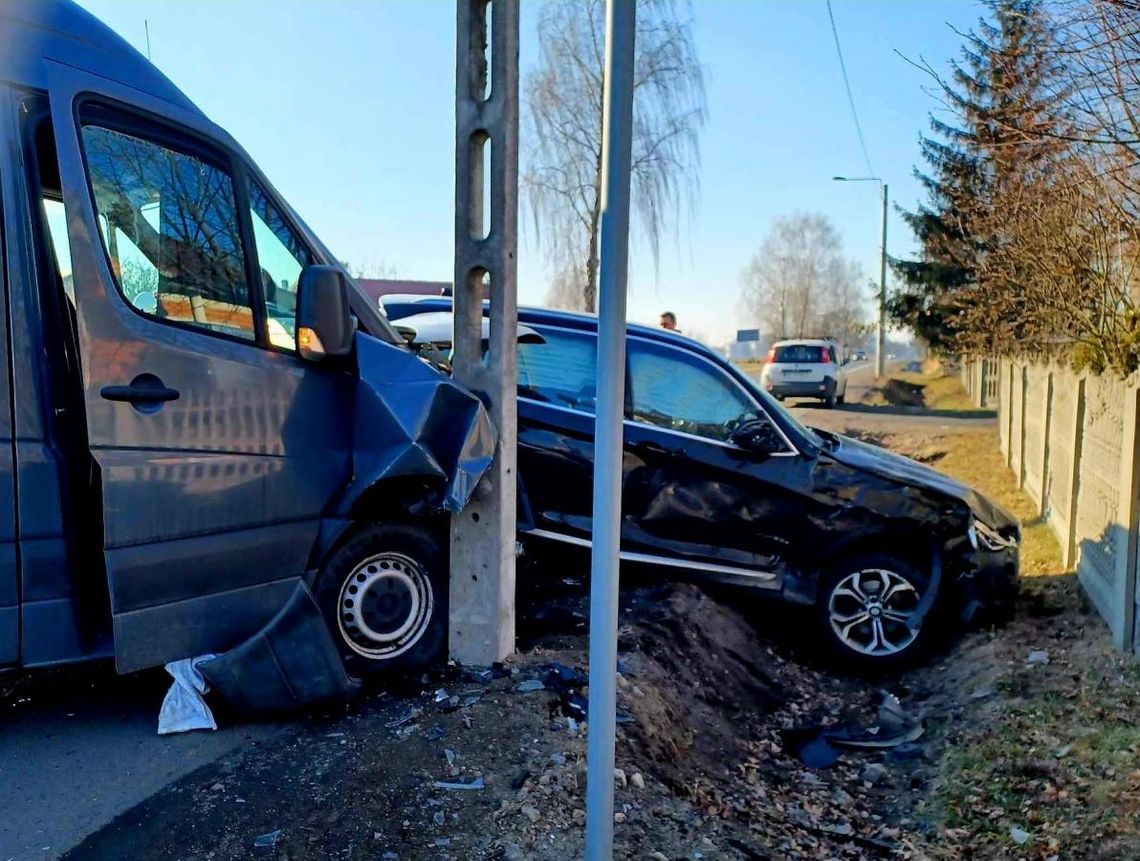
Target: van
[199, 410]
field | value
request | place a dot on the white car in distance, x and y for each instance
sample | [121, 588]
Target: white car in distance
[805, 368]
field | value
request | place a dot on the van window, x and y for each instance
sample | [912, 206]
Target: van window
[170, 226]
[57, 227]
[562, 371]
[281, 255]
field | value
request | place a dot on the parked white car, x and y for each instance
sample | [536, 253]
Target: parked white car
[805, 368]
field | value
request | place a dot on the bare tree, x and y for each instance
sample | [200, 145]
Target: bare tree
[799, 284]
[563, 124]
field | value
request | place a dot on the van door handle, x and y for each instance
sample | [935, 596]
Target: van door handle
[144, 389]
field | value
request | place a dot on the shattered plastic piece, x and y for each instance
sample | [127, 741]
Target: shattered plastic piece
[290, 662]
[1019, 835]
[1038, 656]
[561, 677]
[450, 755]
[441, 695]
[435, 733]
[184, 708]
[816, 746]
[267, 841]
[411, 713]
[477, 783]
[531, 685]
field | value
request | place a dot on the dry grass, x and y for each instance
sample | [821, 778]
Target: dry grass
[1052, 750]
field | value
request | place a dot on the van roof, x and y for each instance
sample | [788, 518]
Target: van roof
[813, 342]
[33, 32]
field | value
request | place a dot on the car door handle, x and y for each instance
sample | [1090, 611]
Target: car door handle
[144, 389]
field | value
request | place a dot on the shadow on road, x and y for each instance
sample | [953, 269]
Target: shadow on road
[898, 410]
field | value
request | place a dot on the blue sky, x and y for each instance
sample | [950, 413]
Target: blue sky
[347, 106]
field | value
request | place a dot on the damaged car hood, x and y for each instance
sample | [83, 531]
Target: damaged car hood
[412, 420]
[886, 464]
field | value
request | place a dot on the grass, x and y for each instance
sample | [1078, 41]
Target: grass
[1055, 750]
[940, 391]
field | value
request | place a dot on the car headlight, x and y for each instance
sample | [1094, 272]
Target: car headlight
[983, 537]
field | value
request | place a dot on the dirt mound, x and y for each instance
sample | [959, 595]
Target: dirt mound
[696, 663]
[900, 393]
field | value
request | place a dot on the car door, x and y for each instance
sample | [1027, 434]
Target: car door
[218, 447]
[556, 401]
[691, 498]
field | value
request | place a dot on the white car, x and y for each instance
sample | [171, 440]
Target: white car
[805, 368]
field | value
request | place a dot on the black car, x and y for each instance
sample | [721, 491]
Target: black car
[721, 482]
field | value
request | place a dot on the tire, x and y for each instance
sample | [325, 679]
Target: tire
[841, 399]
[847, 622]
[384, 594]
[829, 402]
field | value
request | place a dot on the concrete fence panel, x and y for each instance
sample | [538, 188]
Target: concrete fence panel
[1063, 444]
[1035, 417]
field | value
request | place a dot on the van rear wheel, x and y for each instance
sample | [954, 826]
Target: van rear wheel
[384, 594]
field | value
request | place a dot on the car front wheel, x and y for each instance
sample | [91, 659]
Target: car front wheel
[869, 610]
[384, 593]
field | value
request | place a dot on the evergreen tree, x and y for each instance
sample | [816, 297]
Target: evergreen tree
[962, 291]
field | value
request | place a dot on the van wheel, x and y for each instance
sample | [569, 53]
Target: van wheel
[829, 402]
[865, 612]
[384, 593]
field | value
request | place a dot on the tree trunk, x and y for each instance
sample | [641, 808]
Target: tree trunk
[590, 293]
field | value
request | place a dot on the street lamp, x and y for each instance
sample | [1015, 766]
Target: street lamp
[881, 334]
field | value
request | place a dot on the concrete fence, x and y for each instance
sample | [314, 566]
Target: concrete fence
[1071, 439]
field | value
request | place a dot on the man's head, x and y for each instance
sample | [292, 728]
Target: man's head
[668, 320]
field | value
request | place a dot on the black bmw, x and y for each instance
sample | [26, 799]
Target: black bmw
[721, 482]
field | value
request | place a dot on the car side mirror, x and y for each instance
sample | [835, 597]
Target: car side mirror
[324, 321]
[760, 436]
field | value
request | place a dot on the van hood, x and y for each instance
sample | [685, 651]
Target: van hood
[886, 464]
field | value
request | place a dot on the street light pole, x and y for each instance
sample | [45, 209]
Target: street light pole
[881, 335]
[881, 328]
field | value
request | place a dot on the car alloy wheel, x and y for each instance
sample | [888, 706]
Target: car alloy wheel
[871, 610]
[385, 606]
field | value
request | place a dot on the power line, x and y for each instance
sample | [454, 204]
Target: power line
[847, 86]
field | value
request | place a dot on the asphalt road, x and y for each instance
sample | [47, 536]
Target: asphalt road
[857, 415]
[79, 746]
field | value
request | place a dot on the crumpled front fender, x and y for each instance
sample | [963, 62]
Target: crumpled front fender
[412, 421]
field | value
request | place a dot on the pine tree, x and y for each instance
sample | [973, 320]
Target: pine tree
[962, 291]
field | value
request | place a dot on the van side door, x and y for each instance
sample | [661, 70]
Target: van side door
[218, 447]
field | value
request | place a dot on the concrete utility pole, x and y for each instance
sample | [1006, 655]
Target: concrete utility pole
[482, 609]
[617, 146]
[881, 329]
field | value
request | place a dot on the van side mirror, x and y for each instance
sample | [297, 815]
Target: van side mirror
[324, 321]
[760, 436]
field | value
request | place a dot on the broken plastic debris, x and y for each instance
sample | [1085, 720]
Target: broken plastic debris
[291, 661]
[441, 695]
[1019, 835]
[477, 783]
[411, 713]
[435, 733]
[267, 841]
[450, 755]
[816, 746]
[1037, 656]
[184, 708]
[531, 685]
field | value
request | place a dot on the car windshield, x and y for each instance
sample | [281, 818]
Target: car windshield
[773, 406]
[803, 353]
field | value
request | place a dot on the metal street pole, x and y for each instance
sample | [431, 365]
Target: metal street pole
[881, 337]
[617, 134]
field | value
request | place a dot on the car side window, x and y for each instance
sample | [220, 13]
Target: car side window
[281, 255]
[674, 390]
[562, 371]
[170, 225]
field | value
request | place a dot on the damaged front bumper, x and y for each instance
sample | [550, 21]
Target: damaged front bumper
[987, 583]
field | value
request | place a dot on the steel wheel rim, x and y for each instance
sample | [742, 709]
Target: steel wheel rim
[871, 610]
[385, 606]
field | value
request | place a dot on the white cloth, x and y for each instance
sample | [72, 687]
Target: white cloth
[184, 707]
